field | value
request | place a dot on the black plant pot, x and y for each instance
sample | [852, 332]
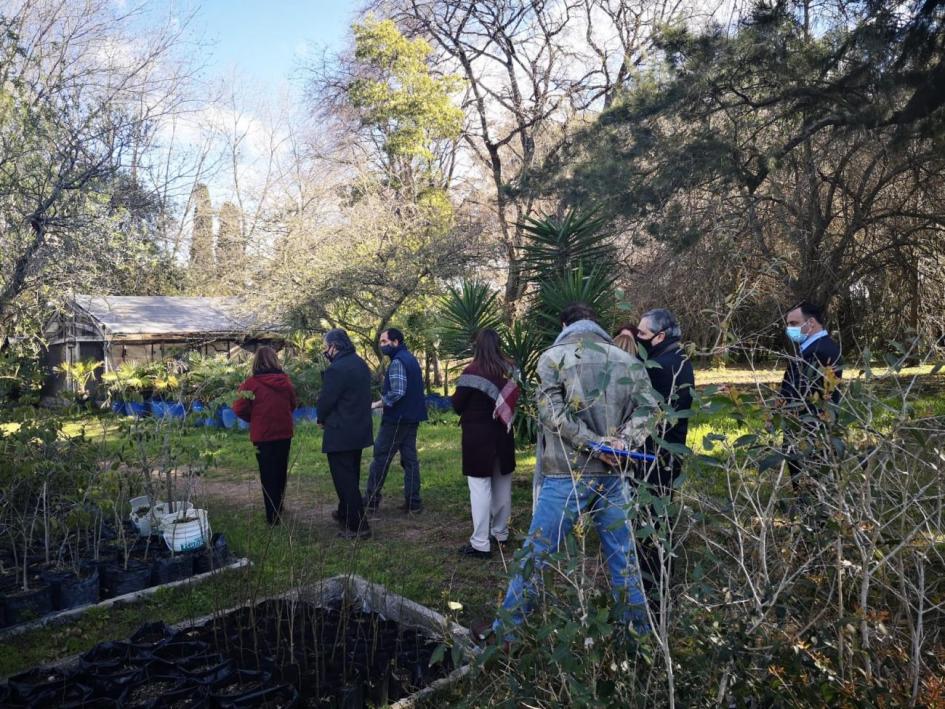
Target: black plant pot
[117, 580]
[38, 681]
[238, 684]
[72, 694]
[146, 690]
[213, 558]
[207, 669]
[71, 590]
[206, 633]
[283, 695]
[109, 653]
[21, 606]
[171, 568]
[189, 696]
[151, 635]
[55, 578]
[177, 652]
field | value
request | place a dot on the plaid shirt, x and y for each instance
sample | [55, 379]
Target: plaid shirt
[398, 383]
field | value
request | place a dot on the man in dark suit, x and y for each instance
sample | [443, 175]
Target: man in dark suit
[671, 374]
[810, 379]
[344, 412]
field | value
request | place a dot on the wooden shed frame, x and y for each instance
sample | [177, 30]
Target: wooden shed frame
[116, 329]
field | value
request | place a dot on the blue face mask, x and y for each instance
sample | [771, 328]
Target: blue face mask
[388, 350]
[794, 334]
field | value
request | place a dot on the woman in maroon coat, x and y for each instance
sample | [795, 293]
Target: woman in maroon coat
[268, 407]
[485, 399]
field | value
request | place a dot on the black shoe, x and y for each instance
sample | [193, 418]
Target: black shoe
[350, 534]
[407, 509]
[470, 550]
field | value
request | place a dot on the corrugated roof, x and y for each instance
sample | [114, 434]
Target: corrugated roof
[172, 315]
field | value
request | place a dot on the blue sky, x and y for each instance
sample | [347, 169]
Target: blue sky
[265, 40]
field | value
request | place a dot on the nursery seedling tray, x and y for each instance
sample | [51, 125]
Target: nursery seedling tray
[372, 597]
[65, 616]
[347, 597]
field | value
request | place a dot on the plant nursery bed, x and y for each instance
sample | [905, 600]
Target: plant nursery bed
[63, 616]
[343, 642]
[34, 590]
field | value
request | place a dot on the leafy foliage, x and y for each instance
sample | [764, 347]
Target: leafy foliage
[594, 287]
[465, 310]
[400, 98]
[556, 246]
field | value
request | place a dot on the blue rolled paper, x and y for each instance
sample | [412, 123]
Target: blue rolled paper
[632, 455]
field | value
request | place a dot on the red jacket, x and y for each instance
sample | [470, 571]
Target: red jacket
[269, 412]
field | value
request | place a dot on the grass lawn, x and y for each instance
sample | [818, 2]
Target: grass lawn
[413, 556]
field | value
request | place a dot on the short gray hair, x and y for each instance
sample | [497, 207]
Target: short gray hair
[339, 338]
[662, 320]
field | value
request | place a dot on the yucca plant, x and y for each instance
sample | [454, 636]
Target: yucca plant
[464, 311]
[555, 246]
[595, 287]
[524, 345]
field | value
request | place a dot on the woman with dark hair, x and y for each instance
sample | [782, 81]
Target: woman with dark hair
[485, 398]
[266, 400]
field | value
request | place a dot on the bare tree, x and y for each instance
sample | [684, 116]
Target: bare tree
[83, 97]
[531, 69]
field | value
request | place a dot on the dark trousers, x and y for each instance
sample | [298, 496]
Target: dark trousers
[345, 467]
[659, 484]
[392, 438]
[273, 459]
[806, 446]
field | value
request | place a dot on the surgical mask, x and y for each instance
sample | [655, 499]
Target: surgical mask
[388, 350]
[327, 355]
[794, 334]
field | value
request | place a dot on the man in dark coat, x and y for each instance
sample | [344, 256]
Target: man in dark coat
[344, 412]
[405, 408]
[672, 376]
[810, 377]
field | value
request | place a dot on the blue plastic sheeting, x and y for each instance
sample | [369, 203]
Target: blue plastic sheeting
[439, 403]
[305, 413]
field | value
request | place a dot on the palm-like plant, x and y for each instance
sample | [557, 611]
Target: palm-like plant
[595, 287]
[558, 245]
[524, 345]
[464, 311]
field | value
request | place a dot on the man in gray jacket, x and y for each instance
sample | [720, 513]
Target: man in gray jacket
[590, 392]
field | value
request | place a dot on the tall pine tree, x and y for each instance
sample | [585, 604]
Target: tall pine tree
[202, 258]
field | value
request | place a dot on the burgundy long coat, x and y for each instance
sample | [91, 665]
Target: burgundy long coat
[485, 439]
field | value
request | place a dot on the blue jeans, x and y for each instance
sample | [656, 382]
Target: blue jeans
[393, 438]
[560, 502]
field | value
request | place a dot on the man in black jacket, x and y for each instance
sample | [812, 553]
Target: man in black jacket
[344, 412]
[672, 376]
[810, 377]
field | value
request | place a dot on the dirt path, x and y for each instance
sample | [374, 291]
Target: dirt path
[311, 508]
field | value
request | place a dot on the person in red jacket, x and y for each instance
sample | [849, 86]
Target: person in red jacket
[268, 407]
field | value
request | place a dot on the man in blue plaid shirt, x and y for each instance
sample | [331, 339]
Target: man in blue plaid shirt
[404, 409]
